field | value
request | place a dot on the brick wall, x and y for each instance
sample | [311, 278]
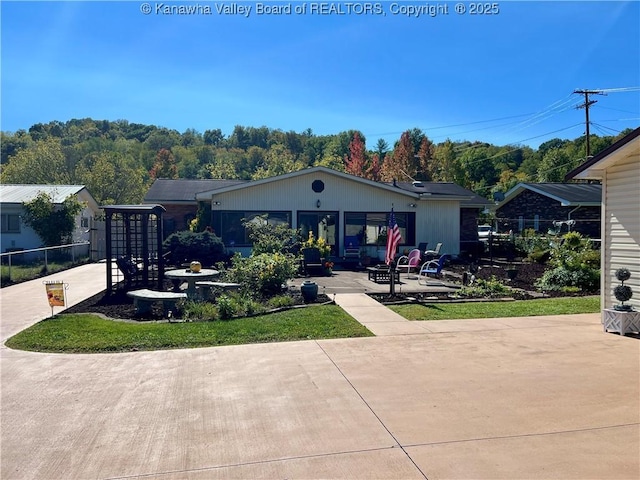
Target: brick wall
[529, 204]
[176, 217]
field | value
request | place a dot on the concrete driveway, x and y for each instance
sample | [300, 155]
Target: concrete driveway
[539, 397]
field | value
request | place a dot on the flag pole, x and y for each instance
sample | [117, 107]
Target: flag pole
[392, 263]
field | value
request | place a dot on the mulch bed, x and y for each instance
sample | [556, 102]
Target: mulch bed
[118, 305]
[524, 283]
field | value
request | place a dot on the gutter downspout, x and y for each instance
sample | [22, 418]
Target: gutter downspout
[569, 216]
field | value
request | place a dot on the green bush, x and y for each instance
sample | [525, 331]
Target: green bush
[491, 288]
[575, 264]
[226, 307]
[194, 311]
[532, 246]
[263, 274]
[269, 237]
[184, 247]
[280, 301]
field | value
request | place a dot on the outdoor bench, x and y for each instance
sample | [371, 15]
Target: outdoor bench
[144, 299]
[383, 274]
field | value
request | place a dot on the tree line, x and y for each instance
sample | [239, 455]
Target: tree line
[118, 160]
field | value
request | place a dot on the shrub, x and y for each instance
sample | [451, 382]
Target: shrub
[226, 307]
[263, 274]
[575, 264]
[270, 238]
[199, 311]
[532, 246]
[280, 301]
[491, 288]
[319, 243]
[185, 246]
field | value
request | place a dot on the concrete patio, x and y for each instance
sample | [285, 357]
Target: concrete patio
[538, 397]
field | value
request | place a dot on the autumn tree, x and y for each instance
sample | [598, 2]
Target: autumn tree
[165, 166]
[425, 159]
[373, 170]
[401, 164]
[355, 163]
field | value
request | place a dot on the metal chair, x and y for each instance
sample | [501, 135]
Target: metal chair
[409, 262]
[432, 267]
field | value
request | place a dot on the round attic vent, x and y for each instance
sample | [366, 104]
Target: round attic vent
[317, 186]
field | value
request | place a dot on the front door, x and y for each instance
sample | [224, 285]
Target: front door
[322, 224]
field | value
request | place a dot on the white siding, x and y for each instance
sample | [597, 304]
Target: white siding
[621, 219]
[436, 220]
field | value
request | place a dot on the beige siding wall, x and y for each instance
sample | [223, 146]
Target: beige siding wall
[436, 221]
[621, 222]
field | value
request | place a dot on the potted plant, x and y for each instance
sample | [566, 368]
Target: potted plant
[328, 268]
[623, 292]
[512, 271]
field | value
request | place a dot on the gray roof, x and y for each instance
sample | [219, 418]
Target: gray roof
[166, 190]
[11, 193]
[566, 193]
[443, 189]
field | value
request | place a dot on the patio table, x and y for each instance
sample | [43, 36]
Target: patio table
[182, 275]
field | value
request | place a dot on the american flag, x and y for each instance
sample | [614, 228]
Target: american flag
[393, 238]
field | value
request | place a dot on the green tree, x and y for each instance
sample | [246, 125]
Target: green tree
[278, 161]
[447, 167]
[53, 223]
[112, 178]
[41, 162]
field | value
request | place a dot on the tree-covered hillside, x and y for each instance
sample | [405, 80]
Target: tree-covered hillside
[117, 161]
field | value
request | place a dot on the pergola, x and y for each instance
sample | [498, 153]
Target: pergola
[134, 246]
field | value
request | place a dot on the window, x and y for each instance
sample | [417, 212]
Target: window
[366, 227]
[229, 225]
[10, 223]
[536, 222]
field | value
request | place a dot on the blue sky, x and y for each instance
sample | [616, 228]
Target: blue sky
[505, 78]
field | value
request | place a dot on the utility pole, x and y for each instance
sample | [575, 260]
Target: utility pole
[587, 103]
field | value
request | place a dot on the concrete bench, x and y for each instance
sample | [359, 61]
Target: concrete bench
[144, 299]
[207, 288]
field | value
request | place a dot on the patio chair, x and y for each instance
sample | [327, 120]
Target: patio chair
[432, 267]
[409, 262]
[433, 253]
[311, 261]
[129, 269]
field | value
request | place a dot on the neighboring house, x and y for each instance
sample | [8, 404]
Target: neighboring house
[618, 168]
[16, 235]
[538, 205]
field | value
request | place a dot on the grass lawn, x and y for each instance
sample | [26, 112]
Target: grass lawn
[85, 333]
[518, 308]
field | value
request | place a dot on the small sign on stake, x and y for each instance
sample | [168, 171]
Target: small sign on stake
[55, 293]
